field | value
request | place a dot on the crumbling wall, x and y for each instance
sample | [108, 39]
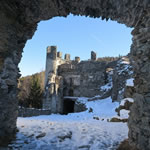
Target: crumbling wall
[65, 77]
[122, 71]
[139, 119]
[84, 78]
[29, 112]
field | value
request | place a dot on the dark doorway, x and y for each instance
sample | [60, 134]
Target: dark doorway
[68, 106]
[65, 92]
[70, 92]
[71, 82]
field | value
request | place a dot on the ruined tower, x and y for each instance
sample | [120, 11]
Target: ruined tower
[52, 98]
[51, 60]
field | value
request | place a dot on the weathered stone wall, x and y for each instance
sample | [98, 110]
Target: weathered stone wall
[53, 99]
[82, 79]
[139, 120]
[122, 71]
[79, 107]
[65, 77]
[18, 22]
[29, 112]
[51, 62]
[12, 41]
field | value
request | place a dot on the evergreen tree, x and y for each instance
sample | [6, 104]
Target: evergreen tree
[24, 85]
[35, 96]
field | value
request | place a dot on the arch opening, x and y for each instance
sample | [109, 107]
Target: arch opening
[23, 28]
[106, 44]
[80, 35]
[68, 106]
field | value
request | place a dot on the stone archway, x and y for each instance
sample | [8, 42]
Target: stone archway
[18, 22]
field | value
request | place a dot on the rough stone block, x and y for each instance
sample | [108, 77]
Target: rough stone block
[93, 55]
[52, 52]
[77, 59]
[59, 54]
[67, 56]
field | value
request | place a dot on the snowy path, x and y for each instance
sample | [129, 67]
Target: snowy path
[76, 131]
[74, 135]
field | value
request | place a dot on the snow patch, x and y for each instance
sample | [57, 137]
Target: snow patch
[130, 82]
[126, 99]
[106, 87]
[84, 130]
[125, 62]
[124, 114]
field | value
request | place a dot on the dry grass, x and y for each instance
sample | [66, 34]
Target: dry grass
[118, 120]
[125, 146]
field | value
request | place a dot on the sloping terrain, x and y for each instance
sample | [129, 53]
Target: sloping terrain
[89, 130]
[97, 128]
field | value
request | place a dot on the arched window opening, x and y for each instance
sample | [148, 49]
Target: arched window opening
[70, 92]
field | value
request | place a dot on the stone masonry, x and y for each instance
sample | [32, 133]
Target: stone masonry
[52, 98]
[74, 78]
[18, 22]
[65, 77]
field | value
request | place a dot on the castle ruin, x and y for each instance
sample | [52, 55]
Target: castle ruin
[67, 79]
[19, 20]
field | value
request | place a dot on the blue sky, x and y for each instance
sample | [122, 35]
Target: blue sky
[77, 36]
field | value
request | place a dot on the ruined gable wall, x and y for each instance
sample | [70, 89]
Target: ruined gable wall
[84, 78]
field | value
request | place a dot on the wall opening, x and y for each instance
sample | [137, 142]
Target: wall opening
[65, 93]
[123, 15]
[99, 39]
[68, 106]
[71, 81]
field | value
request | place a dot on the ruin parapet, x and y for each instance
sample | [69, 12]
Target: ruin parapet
[52, 52]
[93, 55]
[67, 57]
[59, 54]
[77, 59]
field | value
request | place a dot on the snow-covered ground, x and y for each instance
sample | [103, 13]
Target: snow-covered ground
[76, 131]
